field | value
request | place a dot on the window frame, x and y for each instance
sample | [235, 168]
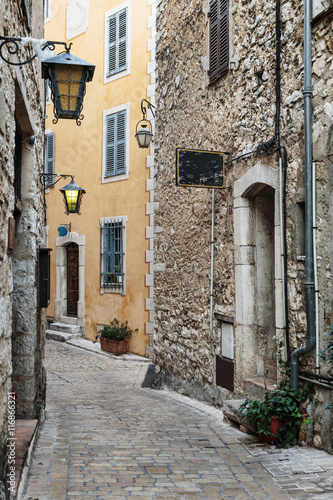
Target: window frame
[106, 114]
[221, 69]
[121, 73]
[106, 287]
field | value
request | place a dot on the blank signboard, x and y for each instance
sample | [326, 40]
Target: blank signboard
[195, 168]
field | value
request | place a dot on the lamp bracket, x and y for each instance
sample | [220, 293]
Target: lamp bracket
[45, 178]
[13, 47]
[144, 109]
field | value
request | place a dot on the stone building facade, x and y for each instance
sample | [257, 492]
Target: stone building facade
[237, 112]
[21, 225]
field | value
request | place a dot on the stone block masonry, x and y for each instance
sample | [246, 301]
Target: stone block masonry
[21, 160]
[236, 113]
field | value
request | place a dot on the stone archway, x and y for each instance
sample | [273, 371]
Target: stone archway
[61, 278]
[259, 318]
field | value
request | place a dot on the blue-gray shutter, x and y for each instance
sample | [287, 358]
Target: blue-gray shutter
[219, 39]
[117, 42]
[49, 158]
[115, 163]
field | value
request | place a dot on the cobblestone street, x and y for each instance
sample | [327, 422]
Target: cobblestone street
[106, 437]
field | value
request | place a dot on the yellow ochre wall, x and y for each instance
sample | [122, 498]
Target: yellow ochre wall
[78, 151]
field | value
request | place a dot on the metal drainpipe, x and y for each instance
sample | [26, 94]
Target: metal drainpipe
[309, 265]
[212, 273]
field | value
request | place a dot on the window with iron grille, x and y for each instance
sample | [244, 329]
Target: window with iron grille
[117, 42]
[113, 253]
[49, 158]
[219, 39]
[115, 143]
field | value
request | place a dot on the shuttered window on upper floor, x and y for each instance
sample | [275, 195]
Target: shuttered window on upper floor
[49, 159]
[117, 42]
[115, 141]
[219, 39]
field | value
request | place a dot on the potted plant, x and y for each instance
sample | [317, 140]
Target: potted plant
[277, 419]
[113, 338]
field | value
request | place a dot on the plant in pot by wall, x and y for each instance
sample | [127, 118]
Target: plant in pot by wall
[114, 337]
[277, 419]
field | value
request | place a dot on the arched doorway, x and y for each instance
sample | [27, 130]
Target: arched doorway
[259, 317]
[72, 279]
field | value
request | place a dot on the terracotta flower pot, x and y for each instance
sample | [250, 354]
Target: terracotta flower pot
[275, 425]
[114, 346]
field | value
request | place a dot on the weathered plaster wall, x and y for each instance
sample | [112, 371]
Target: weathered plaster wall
[21, 322]
[235, 114]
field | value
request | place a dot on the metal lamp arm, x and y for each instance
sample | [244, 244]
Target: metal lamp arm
[46, 177]
[144, 109]
[12, 46]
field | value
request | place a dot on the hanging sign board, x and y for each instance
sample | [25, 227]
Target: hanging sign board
[195, 168]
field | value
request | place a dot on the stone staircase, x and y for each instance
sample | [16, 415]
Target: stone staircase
[67, 329]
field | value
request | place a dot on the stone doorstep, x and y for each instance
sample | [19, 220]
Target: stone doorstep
[65, 327]
[255, 387]
[61, 336]
[25, 434]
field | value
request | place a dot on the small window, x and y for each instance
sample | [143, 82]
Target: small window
[47, 10]
[49, 158]
[117, 42]
[219, 39]
[113, 254]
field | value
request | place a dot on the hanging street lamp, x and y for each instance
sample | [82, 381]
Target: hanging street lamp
[73, 197]
[144, 134]
[72, 193]
[68, 74]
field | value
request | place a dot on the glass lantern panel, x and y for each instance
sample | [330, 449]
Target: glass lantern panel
[72, 197]
[69, 80]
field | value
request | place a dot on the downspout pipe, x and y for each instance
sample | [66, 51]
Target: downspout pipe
[309, 263]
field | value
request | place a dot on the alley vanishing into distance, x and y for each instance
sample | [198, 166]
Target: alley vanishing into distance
[107, 437]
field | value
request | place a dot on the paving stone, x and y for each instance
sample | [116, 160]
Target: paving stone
[105, 437]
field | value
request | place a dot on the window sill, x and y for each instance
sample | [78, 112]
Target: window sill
[114, 178]
[118, 291]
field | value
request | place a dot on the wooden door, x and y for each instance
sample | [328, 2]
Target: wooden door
[72, 279]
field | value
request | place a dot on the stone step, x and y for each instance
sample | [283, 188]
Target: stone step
[69, 320]
[62, 336]
[231, 411]
[254, 388]
[65, 327]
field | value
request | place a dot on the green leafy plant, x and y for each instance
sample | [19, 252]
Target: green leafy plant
[283, 403]
[116, 331]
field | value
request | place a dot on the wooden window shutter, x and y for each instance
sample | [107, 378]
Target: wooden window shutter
[115, 144]
[49, 158]
[117, 42]
[121, 143]
[110, 145]
[219, 39]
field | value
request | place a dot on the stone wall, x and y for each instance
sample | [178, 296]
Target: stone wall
[235, 114]
[21, 321]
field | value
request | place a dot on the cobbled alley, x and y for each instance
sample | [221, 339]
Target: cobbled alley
[107, 437]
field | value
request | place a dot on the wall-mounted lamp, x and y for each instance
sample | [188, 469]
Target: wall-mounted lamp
[72, 192]
[145, 132]
[67, 73]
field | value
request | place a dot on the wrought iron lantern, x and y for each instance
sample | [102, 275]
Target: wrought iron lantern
[144, 134]
[73, 197]
[68, 75]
